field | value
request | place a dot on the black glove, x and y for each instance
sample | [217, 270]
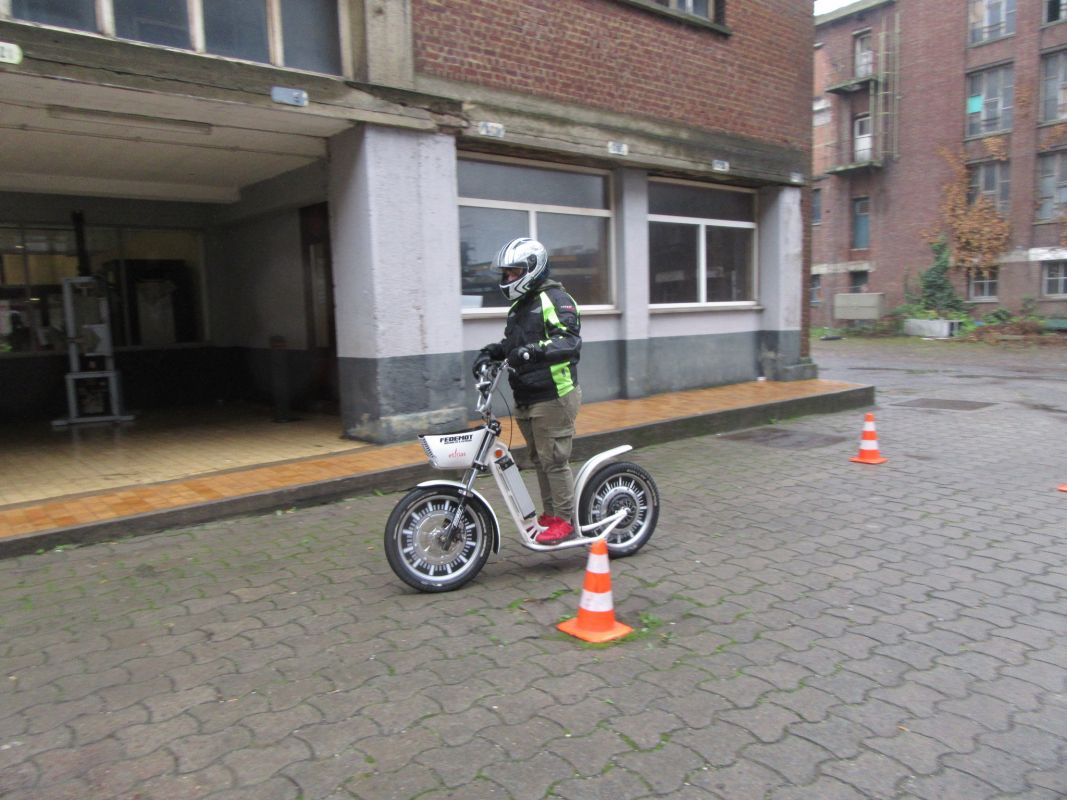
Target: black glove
[482, 360]
[487, 355]
[523, 355]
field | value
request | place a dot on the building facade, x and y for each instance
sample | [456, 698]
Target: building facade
[905, 88]
[314, 188]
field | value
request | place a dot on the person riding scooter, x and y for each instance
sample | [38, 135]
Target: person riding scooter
[542, 342]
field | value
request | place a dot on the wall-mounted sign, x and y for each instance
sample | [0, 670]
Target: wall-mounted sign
[494, 129]
[10, 53]
[289, 97]
[618, 148]
[720, 166]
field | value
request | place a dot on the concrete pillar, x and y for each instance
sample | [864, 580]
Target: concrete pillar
[395, 245]
[781, 270]
[631, 257]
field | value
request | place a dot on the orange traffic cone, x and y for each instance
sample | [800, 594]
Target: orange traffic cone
[868, 444]
[1062, 488]
[596, 613]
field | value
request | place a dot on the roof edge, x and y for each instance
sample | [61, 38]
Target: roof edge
[851, 8]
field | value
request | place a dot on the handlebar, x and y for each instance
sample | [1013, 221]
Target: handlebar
[488, 379]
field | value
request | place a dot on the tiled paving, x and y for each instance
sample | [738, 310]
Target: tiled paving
[61, 480]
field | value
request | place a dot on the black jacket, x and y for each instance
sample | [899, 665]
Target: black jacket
[547, 321]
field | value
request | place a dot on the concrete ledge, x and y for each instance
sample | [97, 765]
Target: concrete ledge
[402, 478]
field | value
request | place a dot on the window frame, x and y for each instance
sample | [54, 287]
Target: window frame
[987, 32]
[858, 121]
[1061, 11]
[862, 59]
[977, 121]
[990, 280]
[532, 209]
[854, 216]
[702, 224]
[1059, 183]
[816, 206]
[976, 180]
[715, 20]
[105, 26]
[1046, 279]
[1059, 80]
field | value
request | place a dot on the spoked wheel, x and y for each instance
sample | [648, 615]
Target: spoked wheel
[416, 541]
[622, 486]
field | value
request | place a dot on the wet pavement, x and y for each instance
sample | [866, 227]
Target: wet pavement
[807, 627]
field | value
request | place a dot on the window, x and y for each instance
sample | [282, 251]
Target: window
[990, 99]
[1051, 185]
[1055, 10]
[861, 223]
[982, 285]
[1054, 87]
[821, 112]
[862, 139]
[816, 206]
[153, 278]
[862, 56]
[163, 22]
[567, 210]
[815, 295]
[714, 10]
[304, 34]
[1055, 282]
[702, 244]
[858, 280]
[991, 180]
[991, 19]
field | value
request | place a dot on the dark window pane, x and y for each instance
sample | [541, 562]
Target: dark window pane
[672, 262]
[80, 14]
[236, 28]
[729, 270]
[692, 201]
[310, 35]
[157, 21]
[578, 254]
[509, 182]
[482, 232]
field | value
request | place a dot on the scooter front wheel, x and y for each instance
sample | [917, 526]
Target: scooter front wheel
[622, 486]
[418, 549]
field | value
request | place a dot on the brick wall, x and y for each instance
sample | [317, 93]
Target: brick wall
[906, 193]
[615, 56]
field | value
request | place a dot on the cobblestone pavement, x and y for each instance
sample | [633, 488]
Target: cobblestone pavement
[807, 628]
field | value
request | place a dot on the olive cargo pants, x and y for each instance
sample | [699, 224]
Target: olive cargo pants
[548, 428]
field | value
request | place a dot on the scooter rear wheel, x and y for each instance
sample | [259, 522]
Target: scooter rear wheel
[622, 486]
[415, 545]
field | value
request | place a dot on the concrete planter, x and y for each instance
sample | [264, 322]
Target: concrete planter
[932, 328]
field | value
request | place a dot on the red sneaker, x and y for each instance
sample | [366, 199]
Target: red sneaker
[559, 530]
[545, 520]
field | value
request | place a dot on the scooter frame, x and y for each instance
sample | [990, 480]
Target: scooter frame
[492, 450]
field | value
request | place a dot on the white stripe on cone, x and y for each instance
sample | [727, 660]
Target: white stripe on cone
[596, 601]
[869, 444]
[598, 563]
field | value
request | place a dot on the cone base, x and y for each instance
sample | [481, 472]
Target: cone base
[1062, 488]
[862, 460]
[616, 631]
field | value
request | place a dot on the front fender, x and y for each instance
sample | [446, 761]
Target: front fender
[478, 496]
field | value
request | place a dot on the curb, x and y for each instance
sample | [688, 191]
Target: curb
[401, 478]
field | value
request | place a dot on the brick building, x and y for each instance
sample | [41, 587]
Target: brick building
[314, 188]
[898, 85]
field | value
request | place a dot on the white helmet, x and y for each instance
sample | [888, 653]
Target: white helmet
[526, 254]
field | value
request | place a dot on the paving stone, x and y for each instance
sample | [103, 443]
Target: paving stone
[874, 775]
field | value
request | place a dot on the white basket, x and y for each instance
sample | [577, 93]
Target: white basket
[452, 450]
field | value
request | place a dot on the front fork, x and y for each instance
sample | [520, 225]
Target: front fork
[451, 534]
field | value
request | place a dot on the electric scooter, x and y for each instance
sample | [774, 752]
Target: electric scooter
[439, 535]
